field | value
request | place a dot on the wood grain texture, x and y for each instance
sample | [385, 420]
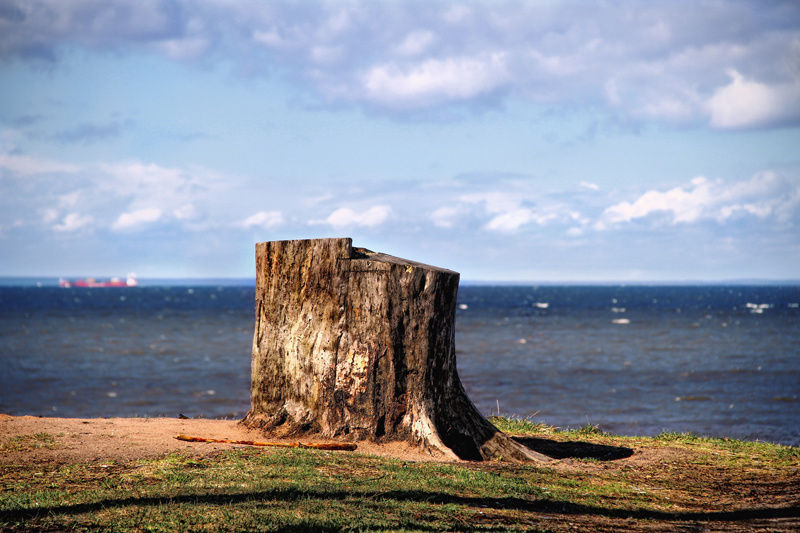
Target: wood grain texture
[358, 345]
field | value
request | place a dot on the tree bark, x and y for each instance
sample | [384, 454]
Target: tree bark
[356, 345]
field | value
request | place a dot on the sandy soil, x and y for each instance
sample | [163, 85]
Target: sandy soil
[130, 439]
[127, 439]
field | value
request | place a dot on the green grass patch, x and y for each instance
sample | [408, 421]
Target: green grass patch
[523, 426]
[21, 443]
[735, 451]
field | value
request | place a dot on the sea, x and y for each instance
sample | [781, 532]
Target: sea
[714, 360]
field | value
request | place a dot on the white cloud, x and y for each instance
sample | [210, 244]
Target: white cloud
[514, 217]
[495, 202]
[49, 215]
[676, 108]
[646, 61]
[510, 221]
[747, 103]
[326, 54]
[445, 216]
[137, 177]
[415, 43]
[575, 232]
[73, 222]
[590, 186]
[344, 216]
[138, 218]
[456, 13]
[764, 195]
[186, 48]
[69, 200]
[435, 80]
[270, 37]
[185, 212]
[262, 219]
[189, 195]
[509, 212]
[555, 65]
[27, 165]
[122, 195]
[685, 205]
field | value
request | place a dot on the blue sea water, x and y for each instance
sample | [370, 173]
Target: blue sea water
[638, 360]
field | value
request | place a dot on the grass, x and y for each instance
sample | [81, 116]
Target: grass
[28, 442]
[670, 481]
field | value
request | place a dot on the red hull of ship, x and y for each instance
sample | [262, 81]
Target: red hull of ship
[92, 283]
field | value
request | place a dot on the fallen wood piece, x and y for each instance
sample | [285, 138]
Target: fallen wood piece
[347, 447]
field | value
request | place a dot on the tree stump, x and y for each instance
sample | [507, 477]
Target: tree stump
[356, 345]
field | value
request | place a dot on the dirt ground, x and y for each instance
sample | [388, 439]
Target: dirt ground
[129, 439]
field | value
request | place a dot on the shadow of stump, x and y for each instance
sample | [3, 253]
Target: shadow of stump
[574, 449]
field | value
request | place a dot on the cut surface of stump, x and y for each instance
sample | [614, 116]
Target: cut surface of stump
[358, 345]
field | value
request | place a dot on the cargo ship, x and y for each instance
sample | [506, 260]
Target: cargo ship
[130, 281]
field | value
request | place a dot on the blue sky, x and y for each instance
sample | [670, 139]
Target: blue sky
[529, 141]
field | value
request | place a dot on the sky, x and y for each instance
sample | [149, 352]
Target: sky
[509, 141]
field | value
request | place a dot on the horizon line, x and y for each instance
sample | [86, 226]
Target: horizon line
[32, 279]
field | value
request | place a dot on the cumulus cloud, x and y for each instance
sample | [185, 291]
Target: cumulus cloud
[191, 43]
[344, 216]
[136, 219]
[745, 103]
[445, 216]
[415, 43]
[185, 212]
[123, 196]
[262, 219]
[175, 192]
[765, 194]
[516, 206]
[494, 201]
[684, 204]
[510, 211]
[72, 222]
[435, 80]
[130, 195]
[188, 48]
[68, 222]
[645, 61]
[511, 220]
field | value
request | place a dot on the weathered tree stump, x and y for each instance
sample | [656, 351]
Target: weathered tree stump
[360, 345]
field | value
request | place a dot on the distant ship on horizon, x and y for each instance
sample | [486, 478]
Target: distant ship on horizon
[130, 281]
